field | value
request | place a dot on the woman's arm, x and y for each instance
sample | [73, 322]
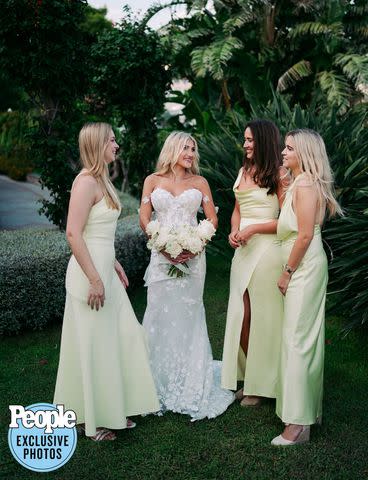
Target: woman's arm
[83, 196]
[305, 204]
[207, 202]
[235, 225]
[145, 210]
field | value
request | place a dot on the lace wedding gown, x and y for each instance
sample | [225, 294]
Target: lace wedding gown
[186, 377]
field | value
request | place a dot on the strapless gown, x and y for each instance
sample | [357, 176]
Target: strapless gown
[299, 397]
[104, 373]
[255, 267]
[186, 377]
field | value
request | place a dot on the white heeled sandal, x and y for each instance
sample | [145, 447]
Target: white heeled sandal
[303, 437]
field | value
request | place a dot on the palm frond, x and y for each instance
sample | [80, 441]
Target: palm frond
[295, 73]
[336, 88]
[317, 28]
[201, 58]
[238, 20]
[354, 66]
[158, 6]
[221, 52]
[199, 32]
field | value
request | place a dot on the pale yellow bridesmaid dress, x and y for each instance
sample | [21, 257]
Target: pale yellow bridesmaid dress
[299, 399]
[104, 373]
[255, 267]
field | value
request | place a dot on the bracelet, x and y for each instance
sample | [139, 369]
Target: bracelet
[288, 270]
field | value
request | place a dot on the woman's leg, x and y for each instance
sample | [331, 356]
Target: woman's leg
[244, 336]
[249, 400]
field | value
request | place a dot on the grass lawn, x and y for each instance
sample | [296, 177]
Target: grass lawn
[235, 445]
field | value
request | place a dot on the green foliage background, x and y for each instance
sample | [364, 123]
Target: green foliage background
[300, 63]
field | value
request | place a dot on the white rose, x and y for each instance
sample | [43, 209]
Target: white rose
[194, 245]
[205, 230]
[163, 238]
[153, 228]
[184, 234]
[173, 248]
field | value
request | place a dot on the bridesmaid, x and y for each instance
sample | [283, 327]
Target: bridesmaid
[303, 283]
[254, 317]
[104, 373]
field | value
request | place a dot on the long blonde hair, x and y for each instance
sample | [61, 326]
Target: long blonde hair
[93, 141]
[311, 153]
[173, 147]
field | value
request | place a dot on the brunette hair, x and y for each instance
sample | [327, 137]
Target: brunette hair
[267, 158]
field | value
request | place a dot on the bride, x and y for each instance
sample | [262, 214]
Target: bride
[187, 379]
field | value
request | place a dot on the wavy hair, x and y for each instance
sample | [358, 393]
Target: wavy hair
[93, 141]
[312, 157]
[267, 158]
[171, 150]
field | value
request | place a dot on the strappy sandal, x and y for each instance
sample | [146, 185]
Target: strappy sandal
[102, 434]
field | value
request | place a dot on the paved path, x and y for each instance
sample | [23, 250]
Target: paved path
[19, 205]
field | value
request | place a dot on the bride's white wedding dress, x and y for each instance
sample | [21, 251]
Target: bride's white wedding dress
[186, 377]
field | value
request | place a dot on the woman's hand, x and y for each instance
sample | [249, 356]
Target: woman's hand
[245, 235]
[283, 282]
[96, 294]
[233, 239]
[183, 257]
[121, 274]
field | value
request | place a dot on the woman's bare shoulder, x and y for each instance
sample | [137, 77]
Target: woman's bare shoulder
[199, 181]
[85, 179]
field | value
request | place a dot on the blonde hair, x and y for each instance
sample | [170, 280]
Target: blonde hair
[311, 153]
[173, 147]
[93, 141]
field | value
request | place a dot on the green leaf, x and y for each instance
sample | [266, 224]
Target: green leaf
[294, 74]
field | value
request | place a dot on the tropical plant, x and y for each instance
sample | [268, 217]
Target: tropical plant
[347, 143]
[335, 58]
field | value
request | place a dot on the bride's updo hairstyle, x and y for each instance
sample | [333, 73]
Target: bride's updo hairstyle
[313, 161]
[173, 147]
[93, 141]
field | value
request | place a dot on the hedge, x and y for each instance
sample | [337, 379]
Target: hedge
[33, 263]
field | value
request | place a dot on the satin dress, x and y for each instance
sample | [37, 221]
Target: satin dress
[299, 399]
[104, 373]
[255, 267]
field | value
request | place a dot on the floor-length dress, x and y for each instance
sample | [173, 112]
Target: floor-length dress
[104, 373]
[186, 377]
[256, 267]
[299, 400]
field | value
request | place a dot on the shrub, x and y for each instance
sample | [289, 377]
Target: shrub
[32, 272]
[346, 139]
[15, 154]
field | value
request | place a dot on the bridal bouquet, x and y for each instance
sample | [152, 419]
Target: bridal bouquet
[174, 240]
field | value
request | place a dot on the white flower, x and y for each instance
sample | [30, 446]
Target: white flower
[153, 228]
[162, 238]
[205, 230]
[194, 245]
[173, 248]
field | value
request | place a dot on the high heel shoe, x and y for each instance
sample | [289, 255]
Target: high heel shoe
[303, 437]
